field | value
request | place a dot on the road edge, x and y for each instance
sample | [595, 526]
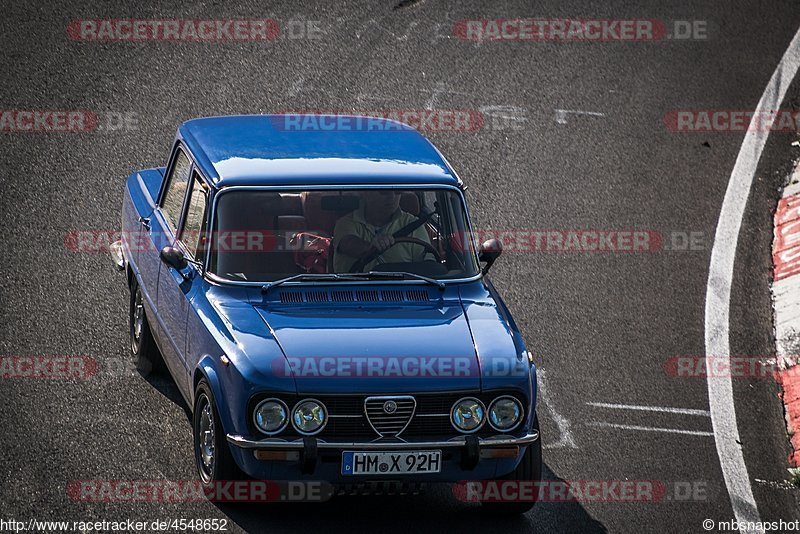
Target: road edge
[785, 291]
[718, 292]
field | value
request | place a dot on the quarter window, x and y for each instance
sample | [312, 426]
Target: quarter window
[177, 182]
[194, 228]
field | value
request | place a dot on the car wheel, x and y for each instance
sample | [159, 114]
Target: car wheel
[529, 469]
[143, 346]
[212, 455]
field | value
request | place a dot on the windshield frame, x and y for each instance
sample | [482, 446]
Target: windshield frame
[214, 278]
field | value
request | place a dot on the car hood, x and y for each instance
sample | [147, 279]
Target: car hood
[375, 348]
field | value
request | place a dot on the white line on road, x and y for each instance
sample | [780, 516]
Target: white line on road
[561, 114]
[718, 291]
[566, 439]
[440, 87]
[297, 86]
[665, 409]
[652, 429]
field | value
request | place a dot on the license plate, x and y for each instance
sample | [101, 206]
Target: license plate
[391, 463]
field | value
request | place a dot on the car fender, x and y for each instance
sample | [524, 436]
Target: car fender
[207, 369]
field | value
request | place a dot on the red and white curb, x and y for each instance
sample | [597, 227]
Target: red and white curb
[786, 302]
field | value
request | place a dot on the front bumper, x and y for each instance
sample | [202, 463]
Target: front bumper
[460, 441]
[463, 457]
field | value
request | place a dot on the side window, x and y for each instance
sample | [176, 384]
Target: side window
[194, 224]
[177, 181]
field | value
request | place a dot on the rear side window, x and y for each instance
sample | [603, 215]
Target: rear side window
[194, 228]
[177, 181]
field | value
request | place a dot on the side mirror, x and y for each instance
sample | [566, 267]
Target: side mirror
[174, 258]
[489, 252]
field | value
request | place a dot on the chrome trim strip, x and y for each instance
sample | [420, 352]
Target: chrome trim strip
[502, 441]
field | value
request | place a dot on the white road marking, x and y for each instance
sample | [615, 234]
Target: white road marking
[297, 86]
[665, 409]
[718, 291]
[506, 112]
[437, 33]
[504, 117]
[652, 429]
[566, 440]
[403, 37]
[439, 88]
[561, 114]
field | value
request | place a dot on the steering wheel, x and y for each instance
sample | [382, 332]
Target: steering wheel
[373, 253]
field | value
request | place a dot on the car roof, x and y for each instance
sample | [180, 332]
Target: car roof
[296, 150]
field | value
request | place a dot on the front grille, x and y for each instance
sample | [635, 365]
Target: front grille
[347, 420]
[389, 416]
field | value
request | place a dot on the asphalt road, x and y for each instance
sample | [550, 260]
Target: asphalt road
[602, 325]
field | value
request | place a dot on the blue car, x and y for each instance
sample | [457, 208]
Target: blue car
[313, 286]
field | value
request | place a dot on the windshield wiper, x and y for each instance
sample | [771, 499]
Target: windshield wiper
[372, 275]
[404, 274]
[311, 277]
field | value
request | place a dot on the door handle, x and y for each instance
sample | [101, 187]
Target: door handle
[145, 221]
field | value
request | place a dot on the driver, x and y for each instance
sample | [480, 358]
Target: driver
[371, 227]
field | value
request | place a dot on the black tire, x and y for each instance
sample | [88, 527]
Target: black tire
[529, 469]
[143, 346]
[221, 467]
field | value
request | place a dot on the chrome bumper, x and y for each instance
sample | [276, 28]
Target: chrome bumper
[461, 441]
[117, 255]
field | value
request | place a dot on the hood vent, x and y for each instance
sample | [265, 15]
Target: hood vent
[317, 296]
[291, 297]
[367, 295]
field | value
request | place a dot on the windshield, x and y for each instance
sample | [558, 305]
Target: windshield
[268, 235]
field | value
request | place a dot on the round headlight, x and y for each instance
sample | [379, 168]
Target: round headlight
[309, 416]
[271, 416]
[505, 413]
[468, 415]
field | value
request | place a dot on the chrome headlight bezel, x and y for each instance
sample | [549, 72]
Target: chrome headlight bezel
[453, 410]
[519, 419]
[315, 431]
[285, 419]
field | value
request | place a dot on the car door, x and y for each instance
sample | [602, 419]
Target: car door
[176, 287]
[158, 231]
